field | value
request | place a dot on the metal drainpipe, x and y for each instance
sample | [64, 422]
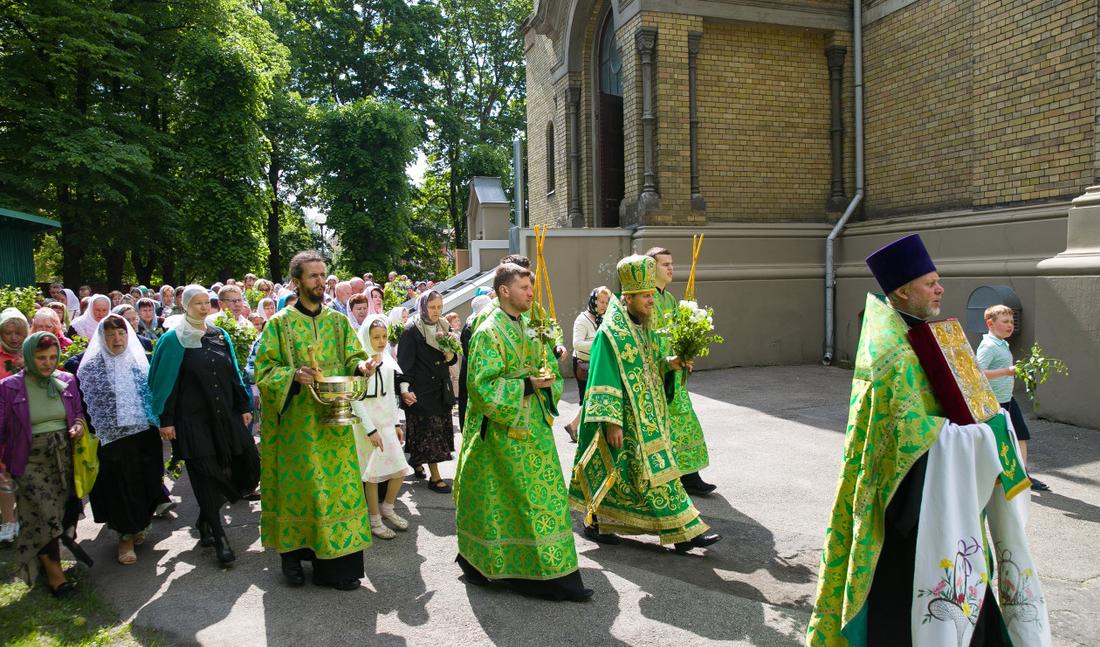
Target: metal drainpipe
[830, 242]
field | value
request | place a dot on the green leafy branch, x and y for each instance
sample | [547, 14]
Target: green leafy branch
[1036, 369]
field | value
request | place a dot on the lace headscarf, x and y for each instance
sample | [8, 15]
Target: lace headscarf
[53, 385]
[116, 387]
[72, 303]
[85, 325]
[190, 331]
[429, 328]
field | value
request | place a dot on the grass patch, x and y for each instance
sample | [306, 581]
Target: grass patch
[31, 616]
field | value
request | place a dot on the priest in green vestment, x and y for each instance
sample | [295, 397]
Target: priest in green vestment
[884, 579]
[313, 506]
[511, 507]
[625, 476]
[688, 445]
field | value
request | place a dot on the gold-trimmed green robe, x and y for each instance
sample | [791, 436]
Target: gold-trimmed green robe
[635, 489]
[893, 420]
[511, 508]
[309, 472]
[688, 444]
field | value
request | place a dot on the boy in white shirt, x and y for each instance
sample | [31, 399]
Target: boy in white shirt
[995, 360]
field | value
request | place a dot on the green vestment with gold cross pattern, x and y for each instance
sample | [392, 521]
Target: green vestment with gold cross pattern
[309, 471]
[511, 507]
[635, 489]
[688, 444]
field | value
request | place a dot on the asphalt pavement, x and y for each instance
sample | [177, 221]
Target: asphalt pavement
[775, 436]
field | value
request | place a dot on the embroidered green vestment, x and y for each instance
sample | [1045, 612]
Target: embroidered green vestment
[309, 472]
[893, 420]
[511, 508]
[688, 444]
[635, 489]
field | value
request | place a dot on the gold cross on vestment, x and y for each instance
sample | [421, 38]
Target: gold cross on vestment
[630, 353]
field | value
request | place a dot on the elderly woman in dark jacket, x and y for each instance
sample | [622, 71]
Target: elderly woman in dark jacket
[426, 393]
[40, 413]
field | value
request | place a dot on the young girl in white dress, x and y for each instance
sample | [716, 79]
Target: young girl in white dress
[378, 439]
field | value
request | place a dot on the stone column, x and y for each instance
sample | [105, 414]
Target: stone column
[697, 202]
[835, 54]
[646, 42]
[573, 118]
[1067, 307]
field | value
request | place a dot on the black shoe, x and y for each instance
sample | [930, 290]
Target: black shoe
[472, 575]
[572, 433]
[292, 571]
[64, 589]
[206, 536]
[593, 533]
[695, 485]
[224, 550]
[702, 541]
[579, 596]
[1038, 485]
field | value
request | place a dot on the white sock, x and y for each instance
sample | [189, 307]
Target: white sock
[375, 520]
[387, 508]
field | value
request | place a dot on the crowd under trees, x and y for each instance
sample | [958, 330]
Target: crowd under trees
[184, 140]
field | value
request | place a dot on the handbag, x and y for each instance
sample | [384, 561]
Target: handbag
[85, 462]
[582, 369]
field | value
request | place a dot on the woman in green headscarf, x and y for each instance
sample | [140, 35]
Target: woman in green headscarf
[40, 412]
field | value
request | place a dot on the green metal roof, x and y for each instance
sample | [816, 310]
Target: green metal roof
[28, 218]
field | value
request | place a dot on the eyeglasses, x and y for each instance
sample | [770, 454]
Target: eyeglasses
[232, 300]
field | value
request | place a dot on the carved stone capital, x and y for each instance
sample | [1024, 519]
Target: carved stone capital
[694, 38]
[835, 54]
[645, 39]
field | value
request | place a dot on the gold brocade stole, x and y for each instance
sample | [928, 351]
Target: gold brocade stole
[638, 357]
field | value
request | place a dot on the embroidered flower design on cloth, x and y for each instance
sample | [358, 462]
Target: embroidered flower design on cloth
[1018, 597]
[957, 596]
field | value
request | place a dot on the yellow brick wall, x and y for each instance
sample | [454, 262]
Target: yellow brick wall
[978, 103]
[764, 122]
[1034, 99]
[541, 109]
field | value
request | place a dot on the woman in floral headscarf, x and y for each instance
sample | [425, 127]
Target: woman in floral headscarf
[426, 393]
[40, 413]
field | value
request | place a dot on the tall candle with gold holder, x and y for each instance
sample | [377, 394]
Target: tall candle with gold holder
[544, 325]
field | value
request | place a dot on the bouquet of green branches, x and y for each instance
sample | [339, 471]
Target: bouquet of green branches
[449, 342]
[690, 330]
[396, 292]
[253, 296]
[1036, 369]
[393, 334]
[241, 335]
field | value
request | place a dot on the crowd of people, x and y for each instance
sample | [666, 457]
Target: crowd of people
[913, 495]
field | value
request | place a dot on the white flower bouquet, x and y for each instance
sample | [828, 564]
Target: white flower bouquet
[690, 330]
[449, 342]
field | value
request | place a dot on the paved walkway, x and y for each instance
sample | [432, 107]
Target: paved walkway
[775, 436]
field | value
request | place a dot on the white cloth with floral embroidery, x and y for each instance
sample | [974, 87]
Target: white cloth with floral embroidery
[951, 573]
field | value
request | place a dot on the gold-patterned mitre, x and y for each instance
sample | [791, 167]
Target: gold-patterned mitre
[637, 273]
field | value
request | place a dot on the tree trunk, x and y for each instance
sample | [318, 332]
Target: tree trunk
[116, 264]
[71, 251]
[143, 270]
[168, 269]
[274, 259]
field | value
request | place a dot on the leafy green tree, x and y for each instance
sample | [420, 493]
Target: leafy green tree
[363, 150]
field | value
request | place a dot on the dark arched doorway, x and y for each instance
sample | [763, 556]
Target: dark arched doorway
[609, 126]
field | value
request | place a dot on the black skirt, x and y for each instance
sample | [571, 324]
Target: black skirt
[128, 487]
[429, 439]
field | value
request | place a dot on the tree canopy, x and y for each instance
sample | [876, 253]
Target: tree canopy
[186, 140]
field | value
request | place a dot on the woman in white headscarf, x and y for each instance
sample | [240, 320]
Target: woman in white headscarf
[114, 381]
[72, 303]
[99, 306]
[205, 409]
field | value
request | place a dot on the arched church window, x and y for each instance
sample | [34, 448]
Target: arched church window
[550, 166]
[611, 62]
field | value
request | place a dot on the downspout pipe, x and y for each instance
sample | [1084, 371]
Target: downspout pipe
[838, 228]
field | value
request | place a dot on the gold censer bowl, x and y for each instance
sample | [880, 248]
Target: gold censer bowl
[337, 393]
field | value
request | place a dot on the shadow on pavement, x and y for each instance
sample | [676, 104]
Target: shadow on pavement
[1074, 508]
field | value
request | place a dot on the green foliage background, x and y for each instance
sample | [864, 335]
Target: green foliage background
[182, 141]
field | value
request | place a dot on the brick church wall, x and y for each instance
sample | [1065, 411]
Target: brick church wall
[979, 103]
